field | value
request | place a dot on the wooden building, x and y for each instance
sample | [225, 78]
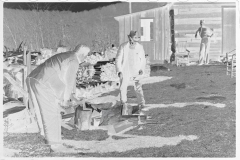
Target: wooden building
[221, 17]
[154, 26]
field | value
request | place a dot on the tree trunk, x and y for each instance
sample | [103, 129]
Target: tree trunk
[14, 38]
[42, 37]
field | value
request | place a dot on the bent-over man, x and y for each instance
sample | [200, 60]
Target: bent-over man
[50, 86]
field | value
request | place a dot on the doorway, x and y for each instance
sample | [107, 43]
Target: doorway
[228, 29]
[147, 37]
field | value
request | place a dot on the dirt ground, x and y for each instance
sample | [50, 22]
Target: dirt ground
[215, 127]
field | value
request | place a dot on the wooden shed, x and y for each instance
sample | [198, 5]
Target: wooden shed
[155, 28]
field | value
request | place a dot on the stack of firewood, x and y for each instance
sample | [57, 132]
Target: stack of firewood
[105, 71]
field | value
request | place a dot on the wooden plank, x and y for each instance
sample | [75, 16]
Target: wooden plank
[217, 30]
[195, 40]
[167, 34]
[216, 36]
[157, 34]
[212, 14]
[195, 27]
[162, 36]
[28, 63]
[192, 34]
[201, 6]
[218, 47]
[229, 29]
[159, 44]
[213, 43]
[196, 10]
[25, 97]
[212, 49]
[208, 21]
[192, 37]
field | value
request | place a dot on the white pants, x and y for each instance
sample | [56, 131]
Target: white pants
[204, 51]
[137, 87]
[46, 109]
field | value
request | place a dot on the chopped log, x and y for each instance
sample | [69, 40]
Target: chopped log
[65, 116]
[82, 118]
[96, 77]
[98, 72]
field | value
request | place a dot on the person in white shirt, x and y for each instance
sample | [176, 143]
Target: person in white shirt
[205, 33]
[130, 65]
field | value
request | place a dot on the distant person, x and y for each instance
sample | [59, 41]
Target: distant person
[130, 65]
[205, 33]
[114, 47]
[39, 58]
[50, 87]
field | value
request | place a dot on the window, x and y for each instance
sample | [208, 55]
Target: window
[147, 30]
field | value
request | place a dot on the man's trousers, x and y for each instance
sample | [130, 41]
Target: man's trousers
[204, 51]
[137, 87]
[46, 109]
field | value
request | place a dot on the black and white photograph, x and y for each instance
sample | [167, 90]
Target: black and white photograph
[119, 79]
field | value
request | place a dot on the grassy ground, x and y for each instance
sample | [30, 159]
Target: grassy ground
[215, 127]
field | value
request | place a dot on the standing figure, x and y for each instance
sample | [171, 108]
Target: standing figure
[205, 33]
[50, 86]
[130, 65]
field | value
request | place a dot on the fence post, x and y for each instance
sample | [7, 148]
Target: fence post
[29, 101]
[28, 62]
[24, 74]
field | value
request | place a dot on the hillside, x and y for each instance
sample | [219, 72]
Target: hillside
[45, 28]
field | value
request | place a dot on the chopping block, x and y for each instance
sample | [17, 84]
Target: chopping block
[121, 126]
[82, 118]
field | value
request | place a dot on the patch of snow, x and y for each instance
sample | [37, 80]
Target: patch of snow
[114, 99]
[180, 105]
[126, 144]
[7, 152]
[21, 122]
[154, 79]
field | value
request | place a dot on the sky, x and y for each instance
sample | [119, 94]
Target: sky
[74, 7]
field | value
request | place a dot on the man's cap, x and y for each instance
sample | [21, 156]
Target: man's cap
[201, 21]
[132, 33]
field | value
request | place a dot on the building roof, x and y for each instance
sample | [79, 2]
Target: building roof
[130, 14]
[177, 3]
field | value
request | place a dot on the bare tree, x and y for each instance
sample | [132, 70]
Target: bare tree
[6, 23]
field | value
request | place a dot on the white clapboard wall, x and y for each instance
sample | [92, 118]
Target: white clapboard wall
[187, 19]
